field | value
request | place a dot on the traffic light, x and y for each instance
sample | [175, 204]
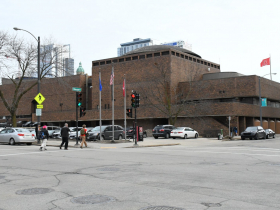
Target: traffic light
[79, 99]
[82, 111]
[129, 112]
[137, 100]
[133, 100]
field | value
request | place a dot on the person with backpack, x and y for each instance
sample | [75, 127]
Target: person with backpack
[65, 135]
[83, 134]
[44, 136]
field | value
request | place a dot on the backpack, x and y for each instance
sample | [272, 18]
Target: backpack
[42, 135]
[83, 132]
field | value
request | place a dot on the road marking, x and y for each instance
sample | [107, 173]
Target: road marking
[30, 153]
[236, 153]
[108, 147]
[238, 148]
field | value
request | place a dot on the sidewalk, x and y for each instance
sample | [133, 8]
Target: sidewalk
[148, 142]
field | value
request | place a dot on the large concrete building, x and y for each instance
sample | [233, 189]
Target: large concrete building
[205, 95]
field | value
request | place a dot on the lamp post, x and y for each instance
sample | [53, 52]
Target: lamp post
[260, 100]
[39, 81]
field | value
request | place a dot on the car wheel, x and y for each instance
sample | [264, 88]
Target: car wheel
[185, 136]
[120, 137]
[156, 137]
[174, 138]
[273, 136]
[250, 138]
[167, 136]
[242, 138]
[196, 136]
[102, 138]
[256, 137]
[12, 141]
[28, 143]
[266, 136]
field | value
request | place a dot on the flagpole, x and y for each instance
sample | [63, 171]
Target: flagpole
[270, 66]
[100, 122]
[124, 107]
[113, 137]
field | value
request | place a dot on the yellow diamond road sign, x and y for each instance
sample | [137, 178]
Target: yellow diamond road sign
[39, 98]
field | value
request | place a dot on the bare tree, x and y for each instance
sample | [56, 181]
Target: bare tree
[164, 94]
[18, 60]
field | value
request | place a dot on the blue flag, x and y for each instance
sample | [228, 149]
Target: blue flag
[100, 86]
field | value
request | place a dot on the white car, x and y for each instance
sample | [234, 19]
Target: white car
[16, 135]
[183, 132]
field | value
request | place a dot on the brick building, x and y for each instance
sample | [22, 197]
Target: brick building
[207, 95]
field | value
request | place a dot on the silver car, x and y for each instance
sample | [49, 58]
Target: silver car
[16, 135]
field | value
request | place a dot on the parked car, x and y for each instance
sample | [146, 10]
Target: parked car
[56, 133]
[269, 133]
[51, 130]
[32, 131]
[16, 135]
[183, 132]
[106, 133]
[73, 133]
[255, 132]
[28, 124]
[130, 131]
[162, 131]
[20, 123]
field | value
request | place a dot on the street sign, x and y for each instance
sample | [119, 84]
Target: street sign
[39, 106]
[76, 89]
[39, 98]
[38, 112]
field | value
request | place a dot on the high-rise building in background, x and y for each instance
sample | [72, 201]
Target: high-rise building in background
[138, 43]
[59, 56]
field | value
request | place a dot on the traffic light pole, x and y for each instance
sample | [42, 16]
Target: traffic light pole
[77, 120]
[135, 126]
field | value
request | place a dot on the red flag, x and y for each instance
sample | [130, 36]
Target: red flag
[265, 62]
[123, 89]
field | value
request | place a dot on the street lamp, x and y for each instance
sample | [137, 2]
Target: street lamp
[38, 40]
[260, 100]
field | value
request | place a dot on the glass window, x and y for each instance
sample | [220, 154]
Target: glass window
[4, 131]
[109, 128]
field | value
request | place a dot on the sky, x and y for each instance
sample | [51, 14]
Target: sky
[237, 34]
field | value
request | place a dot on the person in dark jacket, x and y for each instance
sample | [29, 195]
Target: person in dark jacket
[65, 135]
[44, 136]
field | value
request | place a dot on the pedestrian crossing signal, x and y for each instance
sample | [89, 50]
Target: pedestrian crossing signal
[129, 112]
[82, 111]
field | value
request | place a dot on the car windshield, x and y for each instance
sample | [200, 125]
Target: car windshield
[251, 129]
[22, 130]
[158, 127]
[179, 128]
[98, 128]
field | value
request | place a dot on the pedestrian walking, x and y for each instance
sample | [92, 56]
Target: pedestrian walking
[83, 134]
[235, 131]
[44, 136]
[231, 129]
[65, 135]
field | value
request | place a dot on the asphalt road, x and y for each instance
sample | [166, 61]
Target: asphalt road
[199, 174]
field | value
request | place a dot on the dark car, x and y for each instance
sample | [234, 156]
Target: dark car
[256, 132]
[130, 133]
[28, 124]
[269, 133]
[162, 131]
[106, 133]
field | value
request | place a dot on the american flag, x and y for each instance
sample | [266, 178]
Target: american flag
[112, 78]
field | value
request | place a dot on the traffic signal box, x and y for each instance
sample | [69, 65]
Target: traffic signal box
[82, 111]
[137, 100]
[129, 112]
[133, 100]
[79, 99]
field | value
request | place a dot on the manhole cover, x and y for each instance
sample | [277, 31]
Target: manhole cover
[161, 208]
[34, 191]
[212, 204]
[108, 169]
[2, 177]
[92, 199]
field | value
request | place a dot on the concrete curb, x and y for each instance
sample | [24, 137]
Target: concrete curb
[155, 145]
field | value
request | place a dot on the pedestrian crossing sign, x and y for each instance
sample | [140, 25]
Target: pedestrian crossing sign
[39, 98]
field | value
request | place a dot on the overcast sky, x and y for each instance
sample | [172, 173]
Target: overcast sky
[238, 34]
